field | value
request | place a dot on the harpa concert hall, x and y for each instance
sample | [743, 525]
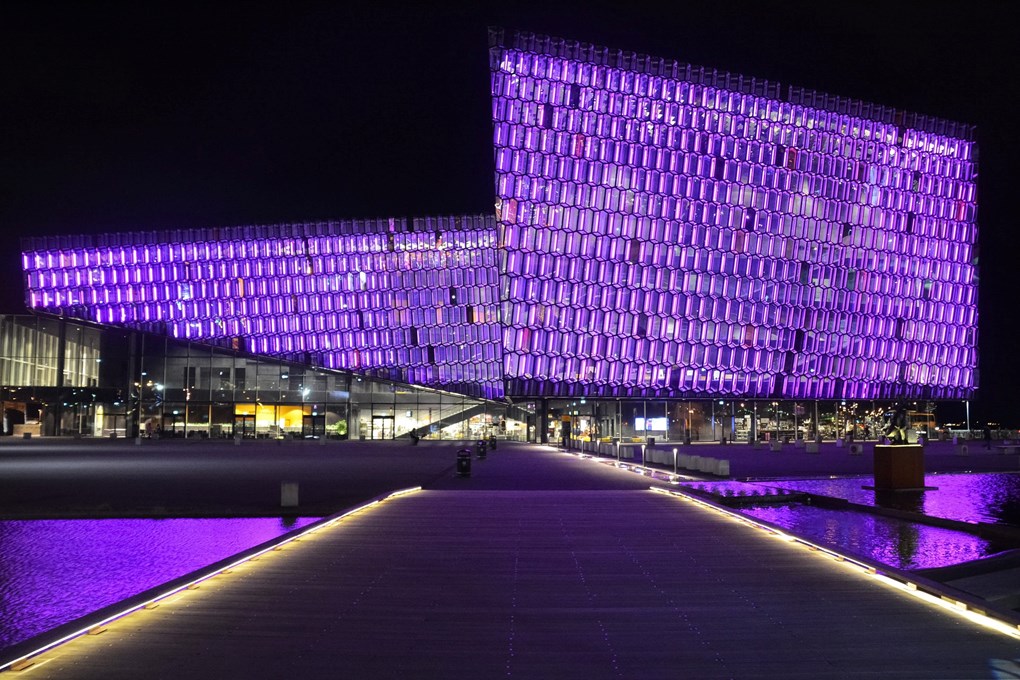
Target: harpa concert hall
[674, 252]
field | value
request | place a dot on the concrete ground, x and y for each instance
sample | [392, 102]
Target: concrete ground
[176, 478]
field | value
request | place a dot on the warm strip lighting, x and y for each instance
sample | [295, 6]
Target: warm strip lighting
[907, 587]
[637, 469]
[403, 492]
[26, 660]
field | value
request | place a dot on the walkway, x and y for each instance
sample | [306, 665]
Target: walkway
[540, 565]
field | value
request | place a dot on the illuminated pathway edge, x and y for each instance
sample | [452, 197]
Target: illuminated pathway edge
[963, 604]
[15, 659]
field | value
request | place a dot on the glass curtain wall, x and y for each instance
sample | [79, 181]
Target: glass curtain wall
[583, 423]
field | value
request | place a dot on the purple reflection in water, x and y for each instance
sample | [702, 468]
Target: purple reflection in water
[985, 497]
[904, 545]
[53, 571]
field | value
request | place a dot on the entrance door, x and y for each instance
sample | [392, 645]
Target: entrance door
[313, 426]
[114, 424]
[244, 425]
[382, 427]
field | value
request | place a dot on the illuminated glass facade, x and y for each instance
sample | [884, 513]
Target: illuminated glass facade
[412, 301]
[672, 231]
[660, 231]
[61, 377]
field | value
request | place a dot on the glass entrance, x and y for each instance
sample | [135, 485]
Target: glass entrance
[244, 425]
[313, 426]
[382, 427]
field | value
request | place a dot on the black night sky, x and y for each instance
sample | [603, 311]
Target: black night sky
[147, 116]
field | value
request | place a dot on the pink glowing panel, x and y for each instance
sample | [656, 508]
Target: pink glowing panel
[384, 298]
[660, 230]
[727, 235]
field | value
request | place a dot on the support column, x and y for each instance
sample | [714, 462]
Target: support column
[57, 407]
[133, 418]
[543, 421]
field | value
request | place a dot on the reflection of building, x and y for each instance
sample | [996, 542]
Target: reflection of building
[664, 235]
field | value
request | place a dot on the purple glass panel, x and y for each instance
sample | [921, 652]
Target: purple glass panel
[842, 217]
[700, 211]
[282, 293]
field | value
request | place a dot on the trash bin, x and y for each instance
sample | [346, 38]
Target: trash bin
[492, 442]
[481, 448]
[464, 463]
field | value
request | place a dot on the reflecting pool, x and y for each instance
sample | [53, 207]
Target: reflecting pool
[977, 497]
[53, 571]
[904, 545]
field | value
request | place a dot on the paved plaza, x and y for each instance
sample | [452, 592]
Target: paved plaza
[46, 477]
[538, 565]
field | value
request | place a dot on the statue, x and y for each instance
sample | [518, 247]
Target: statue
[897, 428]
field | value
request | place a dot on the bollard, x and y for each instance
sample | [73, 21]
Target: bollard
[288, 494]
[464, 463]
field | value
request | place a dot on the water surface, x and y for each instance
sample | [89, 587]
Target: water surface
[976, 497]
[904, 545]
[53, 571]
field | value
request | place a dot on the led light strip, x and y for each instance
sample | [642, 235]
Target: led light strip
[631, 467]
[28, 660]
[961, 609]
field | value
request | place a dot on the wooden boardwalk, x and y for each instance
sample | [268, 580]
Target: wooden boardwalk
[537, 583]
